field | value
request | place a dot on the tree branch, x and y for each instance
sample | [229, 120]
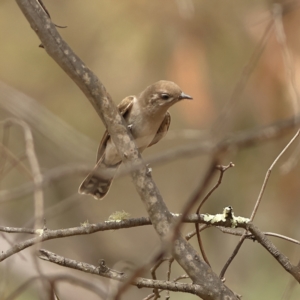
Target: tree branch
[270, 247]
[105, 271]
[160, 216]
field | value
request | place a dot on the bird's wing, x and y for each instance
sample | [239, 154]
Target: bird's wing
[162, 130]
[124, 107]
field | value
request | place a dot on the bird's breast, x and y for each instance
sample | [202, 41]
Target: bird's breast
[143, 134]
[144, 127]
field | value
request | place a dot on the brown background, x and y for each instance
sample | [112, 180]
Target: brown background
[201, 45]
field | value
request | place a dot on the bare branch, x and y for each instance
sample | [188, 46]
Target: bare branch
[160, 216]
[35, 170]
[251, 237]
[104, 226]
[159, 291]
[232, 256]
[283, 237]
[17, 230]
[222, 170]
[243, 237]
[153, 274]
[269, 173]
[270, 247]
[116, 275]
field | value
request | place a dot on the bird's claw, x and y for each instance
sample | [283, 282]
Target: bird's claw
[149, 170]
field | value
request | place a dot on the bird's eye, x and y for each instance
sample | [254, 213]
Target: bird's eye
[165, 96]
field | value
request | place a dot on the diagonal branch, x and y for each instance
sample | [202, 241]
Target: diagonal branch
[294, 270]
[258, 201]
[160, 216]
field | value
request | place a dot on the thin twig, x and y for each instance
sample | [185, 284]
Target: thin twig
[171, 260]
[249, 236]
[294, 270]
[222, 170]
[269, 173]
[17, 230]
[35, 169]
[48, 14]
[174, 234]
[194, 197]
[160, 216]
[37, 180]
[150, 296]
[232, 256]
[283, 237]
[11, 244]
[92, 228]
[153, 273]
[244, 236]
[119, 276]
[191, 234]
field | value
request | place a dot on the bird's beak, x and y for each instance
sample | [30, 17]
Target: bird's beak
[185, 96]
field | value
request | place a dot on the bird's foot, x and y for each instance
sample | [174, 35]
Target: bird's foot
[149, 170]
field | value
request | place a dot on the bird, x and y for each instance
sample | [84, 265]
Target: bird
[147, 118]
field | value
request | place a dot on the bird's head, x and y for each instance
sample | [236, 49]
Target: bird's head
[163, 94]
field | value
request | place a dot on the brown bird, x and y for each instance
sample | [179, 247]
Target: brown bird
[148, 118]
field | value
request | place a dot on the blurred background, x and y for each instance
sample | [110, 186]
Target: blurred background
[201, 45]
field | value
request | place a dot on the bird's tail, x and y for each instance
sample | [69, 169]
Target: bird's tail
[97, 184]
